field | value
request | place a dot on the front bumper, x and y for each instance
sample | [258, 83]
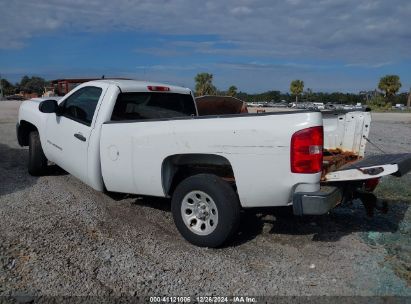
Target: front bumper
[316, 203]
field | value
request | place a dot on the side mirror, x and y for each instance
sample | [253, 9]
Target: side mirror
[48, 106]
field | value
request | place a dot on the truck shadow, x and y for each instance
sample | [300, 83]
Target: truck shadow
[283, 225]
[54, 170]
[332, 227]
[13, 170]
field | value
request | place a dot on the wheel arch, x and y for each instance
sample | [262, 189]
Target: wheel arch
[178, 167]
[23, 131]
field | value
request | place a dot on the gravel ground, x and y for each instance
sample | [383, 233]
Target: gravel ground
[60, 237]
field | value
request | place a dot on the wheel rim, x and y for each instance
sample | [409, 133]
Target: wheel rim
[199, 212]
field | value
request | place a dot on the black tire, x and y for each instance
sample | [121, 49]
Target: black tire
[225, 200]
[37, 160]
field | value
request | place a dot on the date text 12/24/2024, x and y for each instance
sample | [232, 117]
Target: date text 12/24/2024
[203, 299]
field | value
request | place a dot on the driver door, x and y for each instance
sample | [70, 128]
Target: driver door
[68, 133]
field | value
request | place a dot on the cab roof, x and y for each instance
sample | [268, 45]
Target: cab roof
[142, 86]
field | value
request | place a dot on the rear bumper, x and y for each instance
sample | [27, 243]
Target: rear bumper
[316, 203]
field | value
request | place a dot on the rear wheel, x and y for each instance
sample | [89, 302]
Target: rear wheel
[37, 160]
[206, 210]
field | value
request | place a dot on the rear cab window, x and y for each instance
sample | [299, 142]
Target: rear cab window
[152, 105]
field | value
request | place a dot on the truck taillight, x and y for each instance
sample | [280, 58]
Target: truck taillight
[371, 184]
[307, 150]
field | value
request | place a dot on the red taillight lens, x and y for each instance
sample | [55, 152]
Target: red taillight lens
[307, 150]
[371, 184]
[158, 88]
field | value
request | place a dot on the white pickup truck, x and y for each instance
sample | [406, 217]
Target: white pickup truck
[147, 138]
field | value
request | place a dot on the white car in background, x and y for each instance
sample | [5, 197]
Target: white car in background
[319, 105]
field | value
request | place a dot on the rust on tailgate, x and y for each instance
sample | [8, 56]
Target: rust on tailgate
[334, 159]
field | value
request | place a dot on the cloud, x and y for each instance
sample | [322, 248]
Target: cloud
[241, 10]
[349, 30]
[168, 67]
[367, 65]
[274, 66]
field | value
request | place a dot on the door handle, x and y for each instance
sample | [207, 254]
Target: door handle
[80, 136]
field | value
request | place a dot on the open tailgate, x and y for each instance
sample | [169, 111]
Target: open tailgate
[372, 167]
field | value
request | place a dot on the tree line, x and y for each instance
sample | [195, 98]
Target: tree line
[27, 84]
[388, 85]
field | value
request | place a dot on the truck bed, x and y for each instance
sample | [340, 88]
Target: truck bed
[256, 146]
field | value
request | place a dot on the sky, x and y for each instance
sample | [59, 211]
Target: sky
[256, 45]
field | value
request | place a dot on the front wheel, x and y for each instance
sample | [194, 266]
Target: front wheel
[206, 210]
[37, 160]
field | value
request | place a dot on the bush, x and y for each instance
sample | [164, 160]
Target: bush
[379, 103]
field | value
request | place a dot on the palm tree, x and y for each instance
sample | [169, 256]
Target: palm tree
[409, 100]
[232, 91]
[390, 84]
[296, 88]
[204, 84]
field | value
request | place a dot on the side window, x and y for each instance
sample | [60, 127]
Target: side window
[80, 106]
[141, 106]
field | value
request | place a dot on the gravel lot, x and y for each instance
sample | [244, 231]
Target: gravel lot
[60, 237]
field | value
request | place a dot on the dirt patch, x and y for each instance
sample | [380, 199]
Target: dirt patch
[397, 192]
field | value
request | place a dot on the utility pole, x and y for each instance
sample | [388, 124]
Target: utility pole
[409, 100]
